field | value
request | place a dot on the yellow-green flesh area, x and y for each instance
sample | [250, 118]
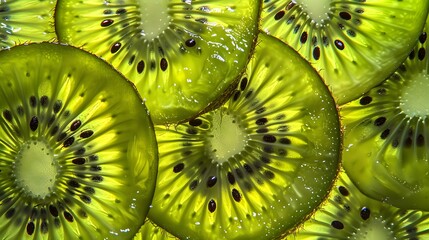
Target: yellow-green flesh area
[258, 165]
[386, 144]
[353, 44]
[150, 231]
[182, 55]
[23, 21]
[349, 214]
[78, 155]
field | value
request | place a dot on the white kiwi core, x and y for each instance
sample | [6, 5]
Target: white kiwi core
[373, 229]
[154, 18]
[226, 138]
[36, 168]
[414, 98]
[317, 9]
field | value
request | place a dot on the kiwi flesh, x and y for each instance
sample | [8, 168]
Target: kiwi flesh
[26, 21]
[349, 214]
[153, 232]
[354, 44]
[259, 164]
[181, 55]
[78, 154]
[387, 132]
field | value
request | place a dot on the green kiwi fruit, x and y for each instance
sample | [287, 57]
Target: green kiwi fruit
[78, 154]
[181, 55]
[153, 232]
[349, 214]
[26, 21]
[354, 44]
[259, 164]
[387, 132]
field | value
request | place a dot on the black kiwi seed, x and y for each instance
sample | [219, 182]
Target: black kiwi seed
[365, 100]
[33, 101]
[211, 181]
[163, 64]
[179, 167]
[379, 121]
[34, 123]
[365, 213]
[115, 47]
[121, 11]
[195, 122]
[75, 125]
[261, 121]
[345, 15]
[106, 22]
[190, 42]
[339, 44]
[423, 37]
[44, 101]
[86, 134]
[57, 106]
[140, 66]
[212, 205]
[279, 15]
[269, 138]
[193, 184]
[231, 178]
[337, 224]
[236, 195]
[68, 142]
[7, 115]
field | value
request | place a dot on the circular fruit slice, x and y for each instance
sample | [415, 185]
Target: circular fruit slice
[260, 163]
[387, 132]
[182, 55]
[354, 44]
[349, 214]
[26, 21]
[78, 155]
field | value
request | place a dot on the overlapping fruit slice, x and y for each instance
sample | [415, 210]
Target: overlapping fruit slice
[259, 164]
[349, 214]
[354, 44]
[26, 21]
[182, 55]
[387, 135]
[78, 155]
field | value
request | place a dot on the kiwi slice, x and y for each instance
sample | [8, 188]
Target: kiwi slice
[349, 214]
[182, 55]
[26, 21]
[354, 44]
[259, 164]
[387, 132]
[151, 231]
[78, 155]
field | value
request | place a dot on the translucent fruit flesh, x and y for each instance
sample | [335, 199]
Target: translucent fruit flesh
[354, 48]
[78, 155]
[255, 167]
[386, 135]
[182, 55]
[349, 214]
